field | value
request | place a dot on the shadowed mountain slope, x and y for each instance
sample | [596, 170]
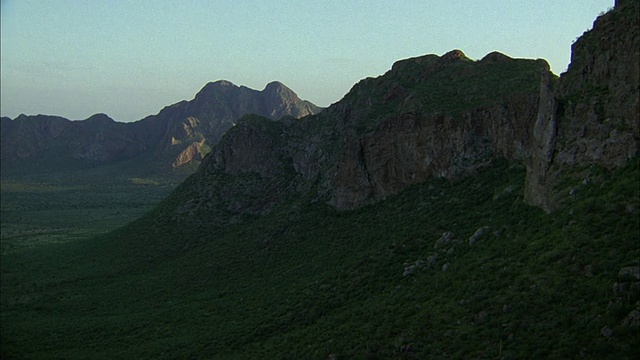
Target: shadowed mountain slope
[592, 117]
[177, 135]
[431, 116]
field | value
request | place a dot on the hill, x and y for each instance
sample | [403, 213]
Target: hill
[449, 208]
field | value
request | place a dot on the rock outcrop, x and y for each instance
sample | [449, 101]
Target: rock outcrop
[444, 116]
[192, 152]
[431, 116]
[412, 147]
[592, 117]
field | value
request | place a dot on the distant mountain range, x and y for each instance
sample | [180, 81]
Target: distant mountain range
[178, 135]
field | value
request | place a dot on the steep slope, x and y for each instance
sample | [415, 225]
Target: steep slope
[447, 117]
[360, 232]
[177, 135]
[441, 270]
[592, 117]
[431, 116]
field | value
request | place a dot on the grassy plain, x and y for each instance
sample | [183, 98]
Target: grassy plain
[43, 213]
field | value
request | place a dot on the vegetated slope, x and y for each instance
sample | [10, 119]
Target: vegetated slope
[392, 224]
[445, 270]
[177, 135]
[386, 134]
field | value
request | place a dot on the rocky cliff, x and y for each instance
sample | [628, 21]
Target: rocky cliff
[422, 139]
[592, 117]
[177, 135]
[438, 116]
[431, 116]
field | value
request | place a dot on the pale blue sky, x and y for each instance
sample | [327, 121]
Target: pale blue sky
[129, 59]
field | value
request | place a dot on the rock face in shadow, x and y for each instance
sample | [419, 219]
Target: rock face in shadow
[431, 116]
[592, 116]
[177, 135]
[412, 147]
[440, 117]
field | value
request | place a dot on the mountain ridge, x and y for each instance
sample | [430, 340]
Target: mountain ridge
[429, 116]
[448, 116]
[177, 135]
[395, 224]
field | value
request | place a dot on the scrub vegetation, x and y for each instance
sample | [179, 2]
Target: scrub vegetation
[398, 279]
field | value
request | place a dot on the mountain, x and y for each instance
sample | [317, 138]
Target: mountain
[441, 117]
[341, 197]
[431, 116]
[450, 208]
[55, 140]
[591, 117]
[177, 135]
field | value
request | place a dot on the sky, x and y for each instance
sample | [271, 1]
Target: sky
[130, 58]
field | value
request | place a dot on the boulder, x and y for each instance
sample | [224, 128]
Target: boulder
[446, 239]
[630, 272]
[633, 319]
[480, 233]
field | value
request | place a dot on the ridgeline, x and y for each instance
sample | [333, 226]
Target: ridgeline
[449, 208]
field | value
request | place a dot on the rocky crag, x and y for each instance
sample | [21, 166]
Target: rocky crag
[430, 116]
[177, 135]
[437, 116]
[592, 115]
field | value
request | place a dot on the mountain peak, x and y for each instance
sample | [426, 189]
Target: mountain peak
[452, 56]
[275, 85]
[99, 118]
[215, 87]
[495, 56]
[427, 64]
[221, 83]
[277, 90]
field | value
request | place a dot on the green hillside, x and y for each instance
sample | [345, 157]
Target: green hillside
[307, 281]
[396, 224]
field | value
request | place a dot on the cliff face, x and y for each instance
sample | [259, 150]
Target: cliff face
[412, 147]
[430, 116]
[592, 116]
[177, 135]
[441, 116]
